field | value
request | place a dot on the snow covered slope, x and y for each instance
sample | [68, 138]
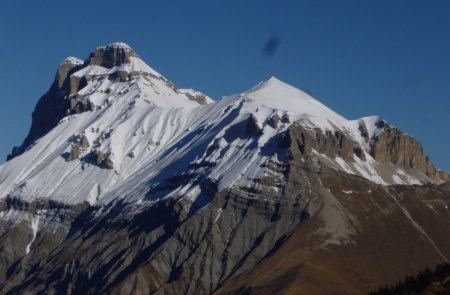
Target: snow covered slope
[130, 133]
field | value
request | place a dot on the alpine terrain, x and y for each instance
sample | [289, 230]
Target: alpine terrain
[126, 184]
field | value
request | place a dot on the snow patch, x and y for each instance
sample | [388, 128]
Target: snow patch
[367, 170]
[34, 228]
[73, 60]
[401, 177]
[115, 45]
[344, 165]
[219, 212]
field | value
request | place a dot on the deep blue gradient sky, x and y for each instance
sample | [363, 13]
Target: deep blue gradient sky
[384, 57]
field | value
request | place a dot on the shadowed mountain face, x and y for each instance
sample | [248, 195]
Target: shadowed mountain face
[51, 107]
[133, 186]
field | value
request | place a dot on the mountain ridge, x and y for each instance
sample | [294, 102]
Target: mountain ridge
[111, 100]
[135, 186]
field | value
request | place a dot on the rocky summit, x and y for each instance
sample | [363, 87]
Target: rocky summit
[126, 184]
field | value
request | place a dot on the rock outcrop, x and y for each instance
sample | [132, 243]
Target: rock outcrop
[111, 55]
[198, 97]
[332, 144]
[102, 159]
[66, 67]
[394, 146]
[79, 145]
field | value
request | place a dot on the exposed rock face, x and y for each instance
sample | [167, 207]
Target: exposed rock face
[111, 55]
[389, 146]
[392, 145]
[44, 225]
[84, 142]
[75, 152]
[274, 121]
[199, 98]
[78, 105]
[332, 144]
[385, 223]
[102, 159]
[253, 127]
[76, 84]
[65, 68]
[80, 144]
[172, 253]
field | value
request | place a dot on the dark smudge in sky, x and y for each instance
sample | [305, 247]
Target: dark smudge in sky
[271, 45]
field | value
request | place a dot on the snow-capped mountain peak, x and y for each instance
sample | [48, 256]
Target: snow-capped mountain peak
[115, 69]
[112, 74]
[113, 127]
[278, 95]
[113, 58]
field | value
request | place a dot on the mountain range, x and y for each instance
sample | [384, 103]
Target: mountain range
[126, 184]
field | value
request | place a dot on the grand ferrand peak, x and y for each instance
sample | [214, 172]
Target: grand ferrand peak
[110, 72]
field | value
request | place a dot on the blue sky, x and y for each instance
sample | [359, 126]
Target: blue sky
[360, 58]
